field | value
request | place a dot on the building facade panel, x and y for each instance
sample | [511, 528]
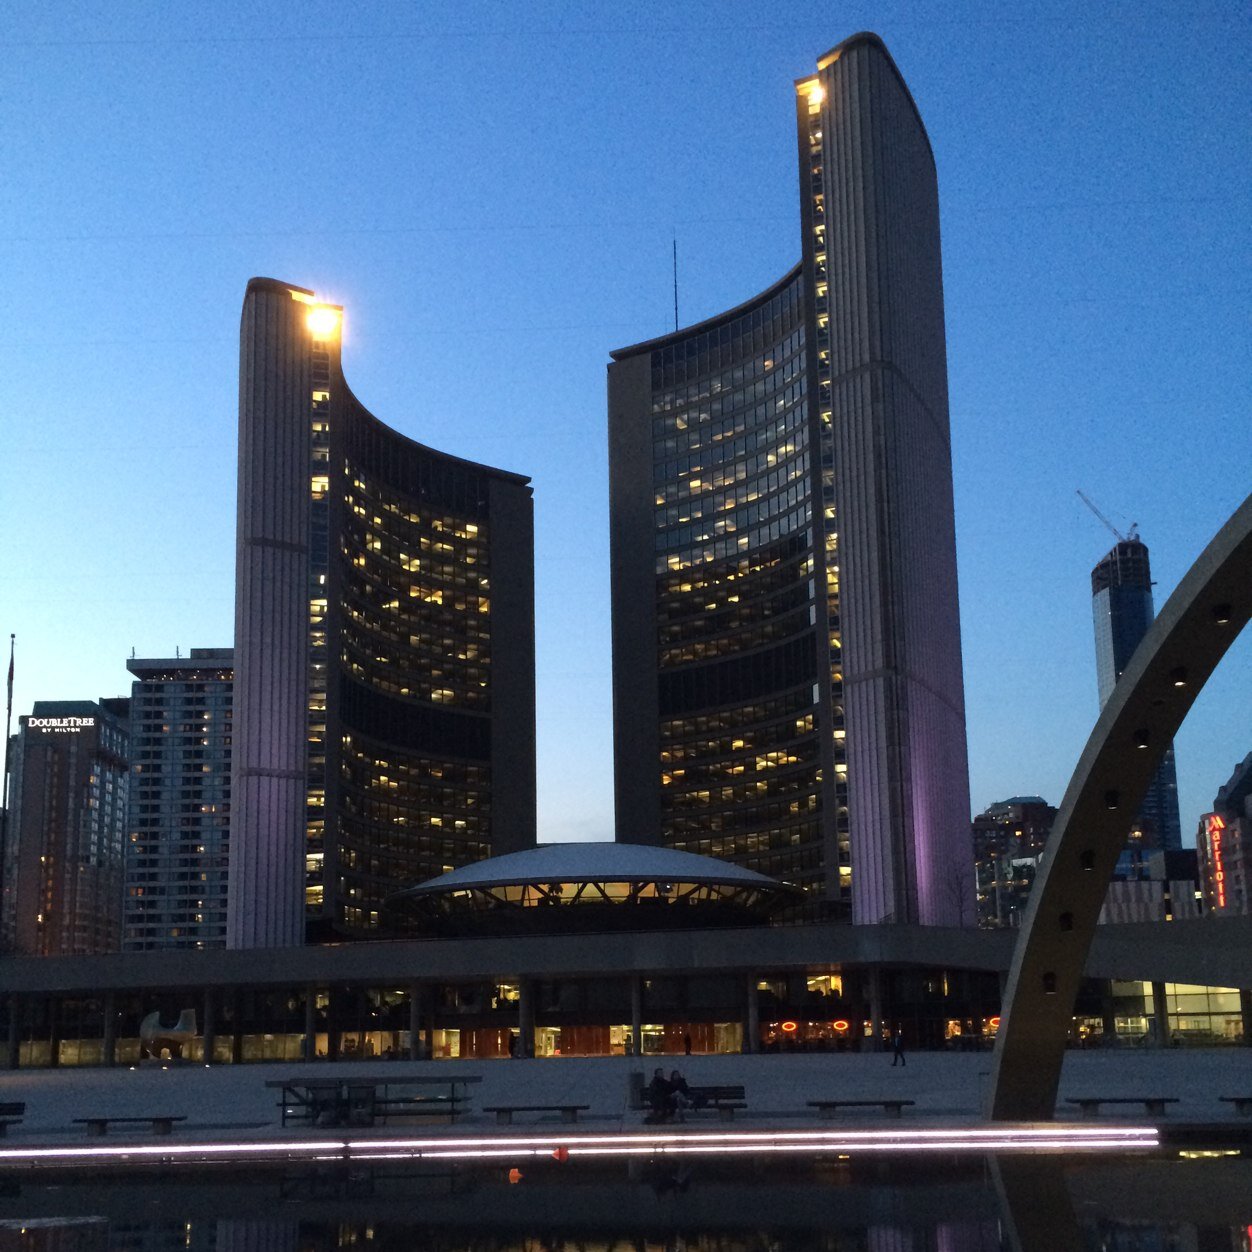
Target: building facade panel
[271, 620]
[891, 488]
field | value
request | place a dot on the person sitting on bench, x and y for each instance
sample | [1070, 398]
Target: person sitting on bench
[660, 1098]
[680, 1094]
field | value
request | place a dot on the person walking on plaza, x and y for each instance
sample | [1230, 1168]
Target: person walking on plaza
[897, 1049]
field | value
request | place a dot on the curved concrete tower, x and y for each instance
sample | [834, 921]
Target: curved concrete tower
[788, 688]
[384, 646]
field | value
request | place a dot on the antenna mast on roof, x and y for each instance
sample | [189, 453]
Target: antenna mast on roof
[675, 278]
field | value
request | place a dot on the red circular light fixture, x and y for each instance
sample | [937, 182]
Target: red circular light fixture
[840, 1025]
[994, 1023]
[789, 1027]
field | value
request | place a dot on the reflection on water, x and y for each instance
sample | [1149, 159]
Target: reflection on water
[958, 1204]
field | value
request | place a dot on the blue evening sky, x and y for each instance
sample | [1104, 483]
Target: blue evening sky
[491, 191]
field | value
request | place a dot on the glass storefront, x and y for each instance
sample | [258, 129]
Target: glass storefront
[797, 1012]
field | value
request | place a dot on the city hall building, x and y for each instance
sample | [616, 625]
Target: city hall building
[602, 950]
[788, 708]
[384, 702]
[787, 681]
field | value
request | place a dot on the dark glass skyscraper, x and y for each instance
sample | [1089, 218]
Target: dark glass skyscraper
[384, 645]
[1121, 603]
[786, 642]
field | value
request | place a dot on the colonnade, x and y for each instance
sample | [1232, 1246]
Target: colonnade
[868, 1004]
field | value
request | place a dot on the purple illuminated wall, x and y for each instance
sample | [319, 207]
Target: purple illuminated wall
[904, 701]
[266, 899]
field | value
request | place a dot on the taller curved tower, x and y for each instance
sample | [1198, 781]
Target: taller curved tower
[787, 684]
[384, 645]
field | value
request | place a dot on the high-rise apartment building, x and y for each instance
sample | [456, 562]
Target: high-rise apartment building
[178, 833]
[67, 822]
[384, 645]
[1009, 837]
[787, 682]
[1121, 602]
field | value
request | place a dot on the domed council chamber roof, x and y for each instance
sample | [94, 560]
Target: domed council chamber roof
[589, 886]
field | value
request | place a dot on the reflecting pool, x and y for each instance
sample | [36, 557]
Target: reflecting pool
[1167, 1200]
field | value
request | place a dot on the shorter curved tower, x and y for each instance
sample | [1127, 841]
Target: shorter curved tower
[384, 645]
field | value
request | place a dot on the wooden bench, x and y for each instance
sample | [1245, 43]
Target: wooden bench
[1243, 1104]
[161, 1123]
[828, 1108]
[726, 1099]
[1090, 1105]
[10, 1114]
[504, 1112]
[420, 1106]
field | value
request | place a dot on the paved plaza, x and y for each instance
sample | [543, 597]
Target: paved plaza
[233, 1101]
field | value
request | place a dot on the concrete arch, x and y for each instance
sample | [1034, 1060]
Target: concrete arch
[1199, 622]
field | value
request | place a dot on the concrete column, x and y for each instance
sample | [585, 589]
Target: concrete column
[419, 1011]
[874, 981]
[14, 1044]
[752, 1015]
[1245, 1012]
[310, 1022]
[236, 1030]
[1108, 1013]
[54, 1031]
[1160, 1015]
[108, 1038]
[526, 1018]
[636, 1015]
[208, 1035]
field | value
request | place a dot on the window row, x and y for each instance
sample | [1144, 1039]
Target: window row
[789, 524]
[790, 486]
[749, 469]
[721, 395]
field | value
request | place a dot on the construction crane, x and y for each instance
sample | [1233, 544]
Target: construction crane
[1131, 536]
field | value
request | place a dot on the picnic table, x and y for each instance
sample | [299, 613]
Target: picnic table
[367, 1099]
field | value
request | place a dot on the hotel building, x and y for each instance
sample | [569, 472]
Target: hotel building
[1224, 844]
[384, 645]
[63, 855]
[178, 837]
[787, 682]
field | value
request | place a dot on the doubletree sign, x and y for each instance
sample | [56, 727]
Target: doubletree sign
[60, 725]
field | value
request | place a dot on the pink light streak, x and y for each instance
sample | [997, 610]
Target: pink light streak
[1038, 1138]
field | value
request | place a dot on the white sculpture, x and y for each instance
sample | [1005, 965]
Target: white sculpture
[155, 1038]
